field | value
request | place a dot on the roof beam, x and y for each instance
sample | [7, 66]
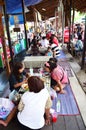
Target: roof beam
[1, 3]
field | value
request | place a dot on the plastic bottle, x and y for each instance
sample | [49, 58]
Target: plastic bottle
[31, 71]
[58, 106]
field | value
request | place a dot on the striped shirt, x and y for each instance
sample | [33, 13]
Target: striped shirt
[55, 49]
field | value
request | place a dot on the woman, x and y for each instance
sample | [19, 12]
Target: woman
[59, 77]
[79, 44]
[54, 47]
[34, 103]
[18, 77]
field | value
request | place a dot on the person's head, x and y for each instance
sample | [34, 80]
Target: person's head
[53, 60]
[51, 65]
[49, 49]
[35, 84]
[18, 68]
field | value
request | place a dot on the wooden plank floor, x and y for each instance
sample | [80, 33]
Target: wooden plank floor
[63, 123]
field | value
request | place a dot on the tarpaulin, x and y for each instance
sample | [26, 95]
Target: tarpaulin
[15, 6]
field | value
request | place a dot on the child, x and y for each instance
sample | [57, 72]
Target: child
[49, 52]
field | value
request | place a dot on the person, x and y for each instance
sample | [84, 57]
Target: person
[54, 48]
[49, 52]
[18, 77]
[34, 49]
[34, 104]
[59, 77]
[78, 46]
[54, 39]
[44, 42]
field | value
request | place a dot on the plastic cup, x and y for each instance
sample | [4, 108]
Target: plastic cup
[54, 117]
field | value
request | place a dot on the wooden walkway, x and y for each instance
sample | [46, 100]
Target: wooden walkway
[63, 123]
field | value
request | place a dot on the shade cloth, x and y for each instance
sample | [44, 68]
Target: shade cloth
[68, 104]
[15, 6]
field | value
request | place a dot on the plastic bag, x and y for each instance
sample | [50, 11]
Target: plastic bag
[6, 107]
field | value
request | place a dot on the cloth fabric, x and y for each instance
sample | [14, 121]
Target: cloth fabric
[32, 115]
[55, 48]
[59, 74]
[13, 80]
[79, 45]
[6, 107]
[44, 43]
[55, 41]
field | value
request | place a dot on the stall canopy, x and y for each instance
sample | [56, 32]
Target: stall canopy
[15, 6]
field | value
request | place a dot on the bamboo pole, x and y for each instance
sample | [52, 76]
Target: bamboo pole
[84, 48]
[4, 46]
[24, 18]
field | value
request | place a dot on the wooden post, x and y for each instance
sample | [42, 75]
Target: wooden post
[73, 19]
[63, 23]
[4, 46]
[84, 48]
[35, 17]
[24, 18]
[8, 32]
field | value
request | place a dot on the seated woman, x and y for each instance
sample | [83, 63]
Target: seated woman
[59, 77]
[18, 77]
[34, 49]
[34, 104]
[79, 44]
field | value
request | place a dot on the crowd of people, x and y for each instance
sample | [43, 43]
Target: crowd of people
[78, 38]
[34, 105]
[48, 41]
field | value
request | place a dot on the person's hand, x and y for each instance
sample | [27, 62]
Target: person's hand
[47, 121]
[25, 80]
[27, 75]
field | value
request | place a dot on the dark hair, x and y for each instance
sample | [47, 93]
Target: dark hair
[53, 59]
[17, 66]
[79, 37]
[51, 65]
[35, 84]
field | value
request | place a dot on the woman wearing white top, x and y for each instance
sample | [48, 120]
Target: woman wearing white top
[36, 102]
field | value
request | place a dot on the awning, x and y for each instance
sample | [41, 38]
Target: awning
[15, 6]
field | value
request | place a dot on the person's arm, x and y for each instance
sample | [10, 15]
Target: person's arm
[19, 84]
[20, 105]
[47, 111]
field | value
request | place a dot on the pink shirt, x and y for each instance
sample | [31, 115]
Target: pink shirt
[55, 40]
[59, 74]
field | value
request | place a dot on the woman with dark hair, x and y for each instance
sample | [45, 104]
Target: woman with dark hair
[33, 105]
[54, 47]
[59, 77]
[79, 44]
[17, 77]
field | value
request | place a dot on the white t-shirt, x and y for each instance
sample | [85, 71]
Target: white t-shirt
[44, 43]
[32, 115]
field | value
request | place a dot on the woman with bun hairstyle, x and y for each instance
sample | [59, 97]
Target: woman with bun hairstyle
[59, 77]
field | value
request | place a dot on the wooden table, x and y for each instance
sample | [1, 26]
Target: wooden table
[35, 61]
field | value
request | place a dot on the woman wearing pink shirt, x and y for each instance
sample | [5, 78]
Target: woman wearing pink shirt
[59, 77]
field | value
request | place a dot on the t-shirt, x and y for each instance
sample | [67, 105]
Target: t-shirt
[59, 74]
[55, 48]
[79, 45]
[32, 114]
[13, 80]
[55, 40]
